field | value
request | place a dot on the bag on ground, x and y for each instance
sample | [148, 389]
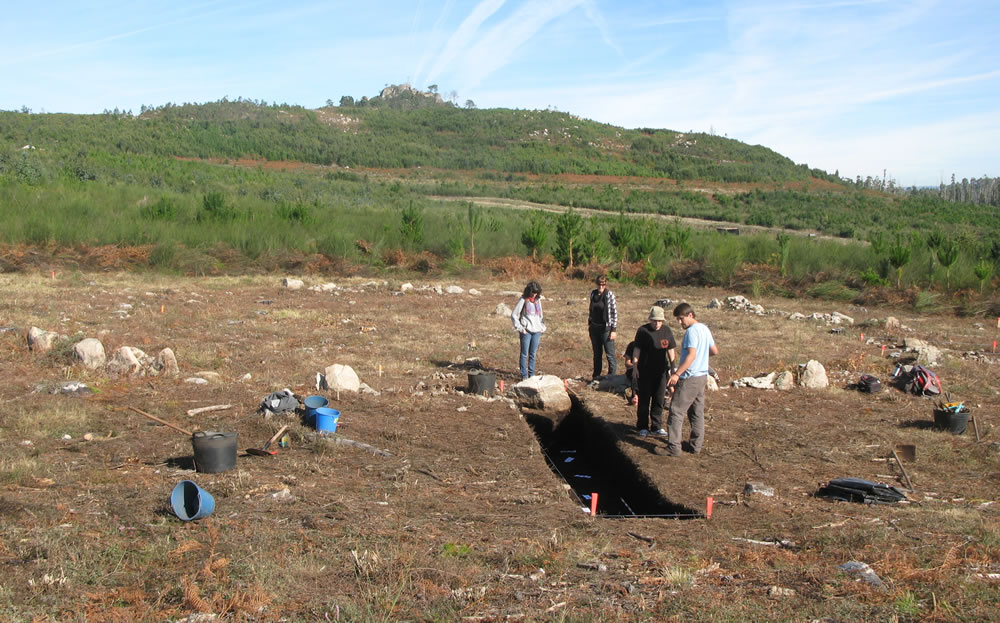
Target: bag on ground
[860, 491]
[869, 384]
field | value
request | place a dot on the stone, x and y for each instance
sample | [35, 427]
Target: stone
[406, 287]
[125, 362]
[454, 290]
[292, 284]
[785, 381]
[342, 378]
[839, 318]
[196, 380]
[913, 344]
[758, 488]
[474, 292]
[90, 351]
[502, 309]
[757, 382]
[41, 341]
[711, 384]
[546, 392]
[166, 363]
[928, 355]
[715, 304]
[797, 316]
[863, 572]
[778, 591]
[324, 287]
[892, 323]
[209, 375]
[814, 376]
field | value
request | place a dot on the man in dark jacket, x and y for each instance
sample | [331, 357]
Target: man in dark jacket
[655, 350]
[603, 325]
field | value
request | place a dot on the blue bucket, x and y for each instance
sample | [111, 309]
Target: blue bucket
[312, 403]
[190, 501]
[326, 419]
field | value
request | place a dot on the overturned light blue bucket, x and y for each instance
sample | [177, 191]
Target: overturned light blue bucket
[312, 403]
[326, 419]
[190, 501]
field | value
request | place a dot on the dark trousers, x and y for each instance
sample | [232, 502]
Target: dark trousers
[601, 342]
[652, 388]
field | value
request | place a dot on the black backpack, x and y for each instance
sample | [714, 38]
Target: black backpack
[869, 384]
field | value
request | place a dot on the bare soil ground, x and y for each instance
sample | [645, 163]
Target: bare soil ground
[465, 520]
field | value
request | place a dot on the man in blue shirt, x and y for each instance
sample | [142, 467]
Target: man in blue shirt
[689, 381]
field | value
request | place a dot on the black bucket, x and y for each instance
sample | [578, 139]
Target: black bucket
[951, 421]
[482, 382]
[214, 452]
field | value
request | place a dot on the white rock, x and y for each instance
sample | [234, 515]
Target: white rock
[546, 392]
[502, 309]
[128, 361]
[711, 384]
[892, 323]
[797, 316]
[785, 381]
[841, 318]
[246, 377]
[196, 380]
[462, 409]
[757, 488]
[342, 378]
[757, 382]
[88, 437]
[292, 284]
[454, 290]
[166, 363]
[324, 287]
[91, 352]
[814, 376]
[474, 292]
[406, 287]
[210, 376]
[42, 341]
[715, 304]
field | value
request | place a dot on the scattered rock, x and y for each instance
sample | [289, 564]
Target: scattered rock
[292, 284]
[342, 378]
[366, 389]
[765, 381]
[715, 304]
[41, 341]
[90, 351]
[246, 377]
[758, 488]
[711, 384]
[128, 361]
[778, 591]
[502, 309]
[929, 355]
[546, 392]
[892, 323]
[324, 287]
[454, 290]
[742, 303]
[839, 318]
[406, 287]
[88, 436]
[166, 363]
[813, 376]
[73, 388]
[797, 316]
[863, 572]
[210, 376]
[474, 292]
[785, 381]
[196, 380]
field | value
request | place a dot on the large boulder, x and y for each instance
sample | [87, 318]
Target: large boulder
[90, 351]
[292, 283]
[341, 378]
[785, 381]
[546, 392]
[814, 376]
[40, 340]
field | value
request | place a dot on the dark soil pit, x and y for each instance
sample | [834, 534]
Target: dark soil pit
[583, 452]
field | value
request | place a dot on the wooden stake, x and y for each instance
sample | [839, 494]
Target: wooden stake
[975, 427]
[905, 475]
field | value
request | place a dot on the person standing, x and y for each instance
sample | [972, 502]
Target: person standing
[603, 326]
[654, 350]
[689, 381]
[529, 323]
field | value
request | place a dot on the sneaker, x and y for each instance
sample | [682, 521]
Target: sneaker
[660, 433]
[643, 433]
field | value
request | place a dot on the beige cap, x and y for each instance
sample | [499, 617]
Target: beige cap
[656, 313]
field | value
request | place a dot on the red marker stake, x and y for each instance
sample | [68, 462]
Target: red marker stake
[566, 384]
[501, 385]
[593, 504]
[883, 350]
[709, 502]
[994, 346]
[862, 337]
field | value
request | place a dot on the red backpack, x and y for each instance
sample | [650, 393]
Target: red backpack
[923, 382]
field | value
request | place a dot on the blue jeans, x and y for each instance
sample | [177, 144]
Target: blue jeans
[529, 348]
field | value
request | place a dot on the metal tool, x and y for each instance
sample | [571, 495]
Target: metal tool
[164, 422]
[905, 475]
[263, 450]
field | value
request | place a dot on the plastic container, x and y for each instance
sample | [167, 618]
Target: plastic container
[951, 421]
[214, 452]
[189, 501]
[481, 382]
[326, 419]
[311, 404]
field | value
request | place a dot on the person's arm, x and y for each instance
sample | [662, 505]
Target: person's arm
[612, 315]
[713, 350]
[681, 369]
[515, 316]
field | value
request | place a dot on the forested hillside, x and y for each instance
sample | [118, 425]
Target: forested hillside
[410, 172]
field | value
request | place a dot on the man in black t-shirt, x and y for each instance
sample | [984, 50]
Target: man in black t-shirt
[656, 350]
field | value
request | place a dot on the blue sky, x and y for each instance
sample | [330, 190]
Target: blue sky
[860, 86]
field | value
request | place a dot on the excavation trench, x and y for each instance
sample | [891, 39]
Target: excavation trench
[583, 451]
